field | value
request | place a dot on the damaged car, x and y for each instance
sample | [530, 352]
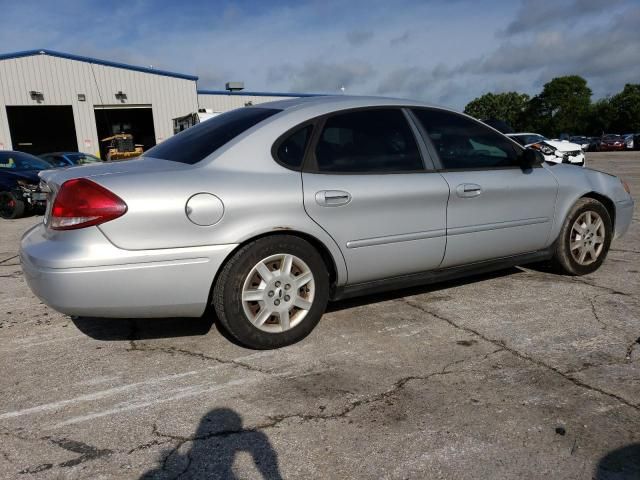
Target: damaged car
[20, 192]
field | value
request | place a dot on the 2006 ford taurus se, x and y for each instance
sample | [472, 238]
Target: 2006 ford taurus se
[267, 212]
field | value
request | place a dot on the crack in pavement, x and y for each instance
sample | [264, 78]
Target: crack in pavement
[135, 347]
[7, 259]
[87, 453]
[572, 280]
[618, 250]
[631, 347]
[595, 313]
[275, 421]
[501, 343]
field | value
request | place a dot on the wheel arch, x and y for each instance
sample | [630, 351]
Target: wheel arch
[606, 201]
[321, 248]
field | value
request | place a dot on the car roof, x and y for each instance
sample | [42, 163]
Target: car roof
[341, 102]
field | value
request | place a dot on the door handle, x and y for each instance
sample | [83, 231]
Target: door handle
[332, 198]
[468, 190]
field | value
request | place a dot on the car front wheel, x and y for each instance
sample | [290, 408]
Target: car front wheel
[272, 292]
[585, 238]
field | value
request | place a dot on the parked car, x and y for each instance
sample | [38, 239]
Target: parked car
[611, 142]
[554, 151]
[584, 142]
[69, 159]
[19, 184]
[269, 211]
[627, 138]
[594, 144]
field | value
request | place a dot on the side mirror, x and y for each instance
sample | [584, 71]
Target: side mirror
[531, 158]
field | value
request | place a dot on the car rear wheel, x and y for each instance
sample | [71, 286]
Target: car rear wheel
[585, 238]
[10, 206]
[272, 292]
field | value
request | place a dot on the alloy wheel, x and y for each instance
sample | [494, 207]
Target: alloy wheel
[278, 293]
[587, 238]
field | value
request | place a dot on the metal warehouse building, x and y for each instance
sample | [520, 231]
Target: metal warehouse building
[53, 101]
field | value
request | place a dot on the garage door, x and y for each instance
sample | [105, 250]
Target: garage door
[41, 129]
[135, 120]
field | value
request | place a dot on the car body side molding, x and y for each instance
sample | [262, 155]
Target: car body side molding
[440, 275]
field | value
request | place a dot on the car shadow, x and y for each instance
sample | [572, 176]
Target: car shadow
[114, 329]
[418, 290]
[219, 437]
[127, 329]
[620, 464]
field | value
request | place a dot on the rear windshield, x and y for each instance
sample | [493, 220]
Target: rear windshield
[195, 143]
[20, 162]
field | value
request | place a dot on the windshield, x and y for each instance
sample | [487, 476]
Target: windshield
[528, 139]
[82, 158]
[195, 143]
[20, 162]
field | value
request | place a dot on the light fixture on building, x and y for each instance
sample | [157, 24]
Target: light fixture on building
[37, 96]
[234, 86]
[121, 96]
[82, 97]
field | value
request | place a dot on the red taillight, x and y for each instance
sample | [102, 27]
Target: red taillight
[81, 203]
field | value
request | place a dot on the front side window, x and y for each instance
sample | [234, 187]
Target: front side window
[367, 141]
[195, 143]
[463, 143]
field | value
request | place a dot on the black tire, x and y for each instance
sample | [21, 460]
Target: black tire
[11, 206]
[227, 291]
[563, 260]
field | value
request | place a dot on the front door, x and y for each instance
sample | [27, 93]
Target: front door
[368, 188]
[496, 208]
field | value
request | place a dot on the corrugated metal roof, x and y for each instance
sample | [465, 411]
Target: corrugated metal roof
[258, 94]
[97, 61]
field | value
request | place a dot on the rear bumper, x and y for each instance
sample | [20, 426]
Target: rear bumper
[624, 215]
[81, 273]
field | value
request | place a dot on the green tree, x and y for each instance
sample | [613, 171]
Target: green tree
[508, 106]
[561, 107]
[626, 109]
[601, 117]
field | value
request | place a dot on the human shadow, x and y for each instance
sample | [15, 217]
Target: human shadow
[620, 464]
[219, 437]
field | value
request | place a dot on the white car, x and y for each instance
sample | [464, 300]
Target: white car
[555, 151]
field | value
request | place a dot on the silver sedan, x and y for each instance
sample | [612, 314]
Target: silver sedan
[268, 212]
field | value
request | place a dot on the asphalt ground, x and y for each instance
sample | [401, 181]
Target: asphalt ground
[518, 374]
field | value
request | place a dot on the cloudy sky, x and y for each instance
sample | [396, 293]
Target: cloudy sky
[445, 52]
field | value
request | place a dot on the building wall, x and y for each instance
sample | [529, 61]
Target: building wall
[62, 79]
[221, 102]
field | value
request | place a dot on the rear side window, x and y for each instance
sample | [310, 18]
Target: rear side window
[463, 143]
[367, 141]
[291, 150]
[195, 143]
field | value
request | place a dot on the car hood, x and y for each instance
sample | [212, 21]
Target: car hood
[28, 175]
[564, 146]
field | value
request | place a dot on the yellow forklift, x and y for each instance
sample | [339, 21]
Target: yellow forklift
[121, 147]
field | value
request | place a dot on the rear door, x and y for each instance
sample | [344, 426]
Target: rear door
[496, 208]
[366, 184]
